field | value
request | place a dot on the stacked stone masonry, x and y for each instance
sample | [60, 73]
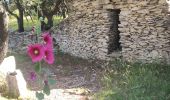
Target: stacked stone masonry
[142, 33]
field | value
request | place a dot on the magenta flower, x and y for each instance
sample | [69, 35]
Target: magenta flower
[49, 56]
[48, 40]
[32, 76]
[36, 52]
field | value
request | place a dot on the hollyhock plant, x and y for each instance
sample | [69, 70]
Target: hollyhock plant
[48, 55]
[48, 39]
[36, 52]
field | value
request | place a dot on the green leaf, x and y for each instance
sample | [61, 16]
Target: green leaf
[46, 89]
[40, 96]
[38, 29]
[51, 81]
[37, 67]
[41, 19]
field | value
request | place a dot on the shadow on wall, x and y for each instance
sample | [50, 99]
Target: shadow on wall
[114, 34]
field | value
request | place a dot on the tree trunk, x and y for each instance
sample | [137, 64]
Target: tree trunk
[64, 14]
[50, 21]
[20, 21]
[3, 33]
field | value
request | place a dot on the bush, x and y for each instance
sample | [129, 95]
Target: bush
[137, 81]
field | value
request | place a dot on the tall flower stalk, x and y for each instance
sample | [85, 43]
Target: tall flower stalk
[38, 52]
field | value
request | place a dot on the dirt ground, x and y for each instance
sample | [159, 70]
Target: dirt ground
[76, 78]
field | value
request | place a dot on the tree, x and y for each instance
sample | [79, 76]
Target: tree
[49, 9]
[3, 32]
[19, 6]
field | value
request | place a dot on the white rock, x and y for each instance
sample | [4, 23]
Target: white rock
[8, 65]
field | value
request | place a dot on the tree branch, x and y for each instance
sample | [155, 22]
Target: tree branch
[8, 10]
[56, 8]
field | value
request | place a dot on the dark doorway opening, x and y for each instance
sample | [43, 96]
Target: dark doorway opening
[114, 34]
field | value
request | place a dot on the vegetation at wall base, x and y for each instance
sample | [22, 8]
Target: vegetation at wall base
[137, 81]
[29, 24]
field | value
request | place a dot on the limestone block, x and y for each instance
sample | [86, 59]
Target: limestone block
[8, 65]
[143, 11]
[132, 46]
[154, 54]
[125, 34]
[105, 1]
[102, 40]
[16, 85]
[162, 2]
[108, 6]
[142, 3]
[95, 4]
[123, 29]
[125, 12]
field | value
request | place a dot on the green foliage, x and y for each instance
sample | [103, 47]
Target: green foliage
[38, 29]
[51, 81]
[29, 24]
[137, 81]
[40, 96]
[37, 67]
[49, 4]
[46, 89]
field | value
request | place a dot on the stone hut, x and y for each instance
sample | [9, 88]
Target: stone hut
[136, 30]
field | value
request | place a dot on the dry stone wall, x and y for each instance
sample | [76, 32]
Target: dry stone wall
[84, 32]
[144, 29]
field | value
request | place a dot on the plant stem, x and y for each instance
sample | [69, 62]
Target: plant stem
[39, 73]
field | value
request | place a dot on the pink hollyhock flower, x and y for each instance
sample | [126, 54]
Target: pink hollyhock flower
[36, 52]
[48, 55]
[48, 40]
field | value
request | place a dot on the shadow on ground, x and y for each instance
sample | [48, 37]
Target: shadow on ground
[77, 79]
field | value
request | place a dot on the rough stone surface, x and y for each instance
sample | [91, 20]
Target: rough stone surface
[3, 83]
[144, 32]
